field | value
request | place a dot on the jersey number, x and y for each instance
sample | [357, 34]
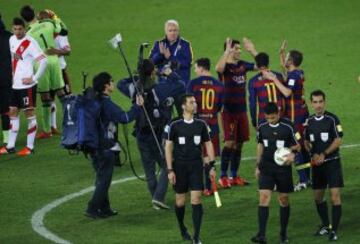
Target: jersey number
[271, 92]
[207, 98]
[44, 40]
[26, 101]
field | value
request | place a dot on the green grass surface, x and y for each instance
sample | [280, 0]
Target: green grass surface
[325, 31]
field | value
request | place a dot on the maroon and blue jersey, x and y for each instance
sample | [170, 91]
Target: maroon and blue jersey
[261, 92]
[208, 93]
[295, 105]
[234, 79]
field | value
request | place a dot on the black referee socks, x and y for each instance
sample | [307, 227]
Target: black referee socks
[263, 215]
[284, 220]
[322, 210]
[180, 213]
[197, 213]
[336, 216]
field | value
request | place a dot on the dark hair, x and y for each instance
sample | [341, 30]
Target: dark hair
[146, 67]
[27, 13]
[262, 60]
[233, 43]
[271, 108]
[296, 57]
[203, 63]
[184, 97]
[317, 93]
[100, 80]
[18, 21]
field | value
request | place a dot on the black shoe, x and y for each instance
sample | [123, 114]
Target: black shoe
[258, 239]
[284, 239]
[196, 241]
[333, 236]
[95, 215]
[322, 231]
[186, 236]
[109, 212]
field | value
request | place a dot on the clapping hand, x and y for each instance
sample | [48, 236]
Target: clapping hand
[164, 50]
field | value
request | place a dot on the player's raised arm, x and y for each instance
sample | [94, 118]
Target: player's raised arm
[283, 55]
[220, 66]
[249, 46]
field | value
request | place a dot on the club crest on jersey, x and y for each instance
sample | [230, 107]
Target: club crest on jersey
[197, 140]
[324, 136]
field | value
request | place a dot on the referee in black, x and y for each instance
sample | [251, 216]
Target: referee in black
[185, 138]
[323, 137]
[275, 133]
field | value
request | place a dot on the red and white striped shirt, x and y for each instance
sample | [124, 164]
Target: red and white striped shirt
[24, 53]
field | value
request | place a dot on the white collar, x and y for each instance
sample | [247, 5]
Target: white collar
[319, 118]
[275, 125]
[188, 121]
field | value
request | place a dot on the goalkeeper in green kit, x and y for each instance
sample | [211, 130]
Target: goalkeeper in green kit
[52, 81]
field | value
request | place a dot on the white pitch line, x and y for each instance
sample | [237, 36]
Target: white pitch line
[37, 219]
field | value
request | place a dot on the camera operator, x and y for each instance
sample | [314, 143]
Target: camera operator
[159, 94]
[105, 157]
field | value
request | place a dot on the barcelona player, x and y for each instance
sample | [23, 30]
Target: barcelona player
[232, 72]
[208, 93]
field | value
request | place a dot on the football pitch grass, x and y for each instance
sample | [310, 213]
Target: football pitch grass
[326, 31]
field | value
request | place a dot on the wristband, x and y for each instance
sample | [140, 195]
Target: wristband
[170, 170]
[209, 166]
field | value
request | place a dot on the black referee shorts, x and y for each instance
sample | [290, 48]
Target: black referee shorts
[4, 99]
[328, 174]
[282, 178]
[189, 176]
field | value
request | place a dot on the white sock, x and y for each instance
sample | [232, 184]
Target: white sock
[32, 126]
[53, 115]
[13, 132]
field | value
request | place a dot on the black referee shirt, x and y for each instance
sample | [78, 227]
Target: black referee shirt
[322, 131]
[188, 137]
[275, 136]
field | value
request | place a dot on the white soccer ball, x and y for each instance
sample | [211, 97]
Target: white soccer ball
[279, 155]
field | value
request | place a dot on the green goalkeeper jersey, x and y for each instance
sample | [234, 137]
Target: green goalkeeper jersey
[43, 33]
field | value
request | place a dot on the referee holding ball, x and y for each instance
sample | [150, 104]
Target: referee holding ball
[273, 134]
[185, 138]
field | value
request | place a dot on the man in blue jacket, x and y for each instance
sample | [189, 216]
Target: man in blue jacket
[104, 158]
[173, 50]
[159, 95]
